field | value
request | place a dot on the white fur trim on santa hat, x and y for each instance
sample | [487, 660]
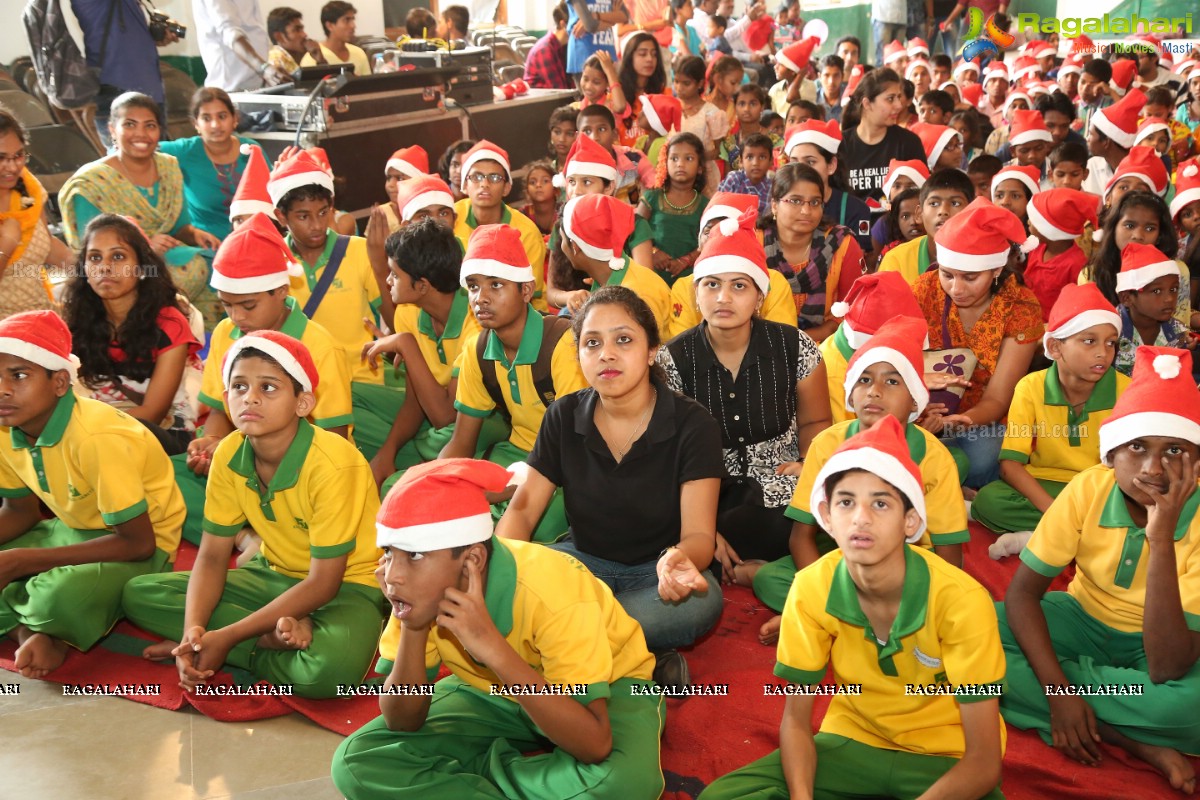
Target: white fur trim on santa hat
[876, 355]
[1194, 72]
[244, 208]
[1109, 129]
[819, 138]
[491, 268]
[1183, 199]
[483, 155]
[251, 285]
[436, 535]
[278, 187]
[275, 350]
[37, 355]
[885, 466]
[853, 338]
[599, 253]
[970, 262]
[592, 169]
[652, 113]
[1044, 226]
[1149, 130]
[1015, 175]
[1141, 176]
[1070, 69]
[942, 141]
[1034, 135]
[1138, 279]
[403, 167]
[1079, 323]
[718, 212]
[718, 265]
[425, 200]
[1122, 430]
[907, 172]
[966, 66]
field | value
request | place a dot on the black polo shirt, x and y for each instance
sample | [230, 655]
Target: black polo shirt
[626, 512]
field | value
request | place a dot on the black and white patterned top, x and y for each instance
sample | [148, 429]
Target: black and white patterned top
[756, 410]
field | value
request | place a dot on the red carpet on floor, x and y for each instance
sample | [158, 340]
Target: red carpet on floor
[706, 736]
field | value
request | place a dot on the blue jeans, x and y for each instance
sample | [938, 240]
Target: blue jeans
[982, 444]
[884, 33]
[666, 625]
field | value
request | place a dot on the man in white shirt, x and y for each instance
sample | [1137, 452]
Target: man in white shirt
[233, 44]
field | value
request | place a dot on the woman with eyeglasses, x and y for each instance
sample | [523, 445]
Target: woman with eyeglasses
[820, 260]
[26, 245]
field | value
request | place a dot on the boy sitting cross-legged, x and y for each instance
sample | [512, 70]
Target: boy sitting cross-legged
[889, 617]
[498, 614]
[104, 477]
[305, 611]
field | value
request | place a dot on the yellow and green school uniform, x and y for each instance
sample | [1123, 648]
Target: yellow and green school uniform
[947, 522]
[886, 740]
[647, 285]
[778, 305]
[352, 296]
[520, 399]
[1096, 624]
[569, 628]
[531, 239]
[911, 259]
[321, 503]
[95, 468]
[334, 406]
[1054, 443]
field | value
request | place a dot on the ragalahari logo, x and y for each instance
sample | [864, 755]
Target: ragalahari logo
[983, 38]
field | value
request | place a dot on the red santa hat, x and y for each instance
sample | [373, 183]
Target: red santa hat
[934, 138]
[600, 225]
[996, 69]
[1123, 73]
[1072, 65]
[797, 54]
[1024, 67]
[252, 195]
[411, 162]
[882, 451]
[825, 135]
[303, 169]
[980, 237]
[914, 65]
[291, 354]
[733, 246]
[1150, 126]
[1161, 400]
[1028, 175]
[484, 151]
[873, 300]
[1039, 48]
[1028, 126]
[963, 67]
[856, 76]
[1038, 88]
[972, 93]
[1079, 306]
[1141, 264]
[1014, 96]
[422, 192]
[897, 342]
[728, 204]
[663, 112]
[1187, 186]
[440, 505]
[1193, 73]
[252, 259]
[496, 251]
[1146, 165]
[759, 32]
[917, 47]
[1184, 67]
[1060, 214]
[41, 338]
[587, 157]
[1120, 120]
[321, 157]
[893, 52]
[914, 170]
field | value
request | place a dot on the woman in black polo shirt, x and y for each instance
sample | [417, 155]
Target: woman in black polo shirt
[640, 467]
[765, 385]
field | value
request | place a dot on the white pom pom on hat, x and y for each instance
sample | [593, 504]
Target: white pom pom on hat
[1167, 366]
[840, 308]
[728, 226]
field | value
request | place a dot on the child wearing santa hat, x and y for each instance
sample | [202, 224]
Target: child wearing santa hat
[403, 165]
[884, 378]
[106, 481]
[1013, 187]
[1185, 205]
[944, 195]
[1111, 132]
[791, 72]
[517, 364]
[1148, 287]
[251, 195]
[888, 740]
[1128, 525]
[1057, 217]
[305, 611]
[538, 650]
[1054, 419]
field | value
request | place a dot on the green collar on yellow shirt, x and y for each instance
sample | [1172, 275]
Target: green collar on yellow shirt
[924, 258]
[1115, 514]
[505, 215]
[501, 586]
[286, 474]
[616, 278]
[1102, 398]
[56, 426]
[310, 271]
[454, 323]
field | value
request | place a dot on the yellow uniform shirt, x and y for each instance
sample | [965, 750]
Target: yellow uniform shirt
[648, 286]
[358, 59]
[836, 352]
[560, 619]
[947, 522]
[333, 390]
[1042, 433]
[1090, 525]
[353, 295]
[95, 467]
[945, 635]
[778, 305]
[440, 352]
[516, 379]
[321, 503]
[531, 238]
[911, 259]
